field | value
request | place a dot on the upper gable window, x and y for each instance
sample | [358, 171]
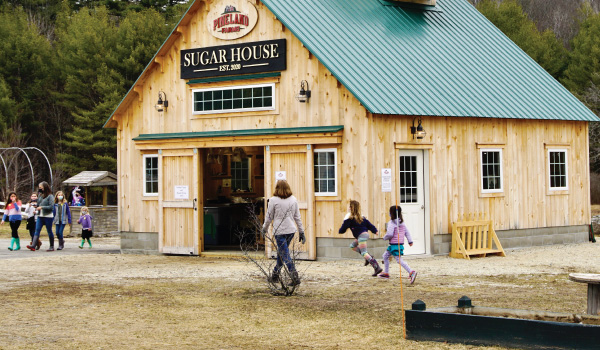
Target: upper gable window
[234, 99]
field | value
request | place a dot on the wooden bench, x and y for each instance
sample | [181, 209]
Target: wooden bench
[474, 235]
[593, 294]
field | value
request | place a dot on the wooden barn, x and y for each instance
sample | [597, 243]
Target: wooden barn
[421, 102]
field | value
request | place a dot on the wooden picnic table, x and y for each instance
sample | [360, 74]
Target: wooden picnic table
[593, 294]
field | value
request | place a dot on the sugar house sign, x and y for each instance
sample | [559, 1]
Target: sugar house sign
[254, 57]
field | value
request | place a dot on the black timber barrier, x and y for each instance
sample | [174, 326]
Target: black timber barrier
[498, 331]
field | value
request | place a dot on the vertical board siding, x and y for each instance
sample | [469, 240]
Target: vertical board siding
[368, 145]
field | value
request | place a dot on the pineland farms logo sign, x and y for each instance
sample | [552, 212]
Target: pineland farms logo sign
[232, 19]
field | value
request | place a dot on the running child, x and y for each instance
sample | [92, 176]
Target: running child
[396, 231]
[12, 213]
[359, 225]
[86, 227]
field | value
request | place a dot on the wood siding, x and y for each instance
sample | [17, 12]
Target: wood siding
[368, 144]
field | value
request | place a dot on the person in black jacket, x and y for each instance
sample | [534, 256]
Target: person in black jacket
[359, 225]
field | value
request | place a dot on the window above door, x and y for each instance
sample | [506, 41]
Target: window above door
[244, 98]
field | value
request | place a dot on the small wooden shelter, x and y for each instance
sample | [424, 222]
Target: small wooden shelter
[88, 179]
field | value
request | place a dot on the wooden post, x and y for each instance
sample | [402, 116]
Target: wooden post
[104, 196]
[593, 301]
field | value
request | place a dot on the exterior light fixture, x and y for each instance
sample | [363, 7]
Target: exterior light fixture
[418, 130]
[304, 93]
[162, 105]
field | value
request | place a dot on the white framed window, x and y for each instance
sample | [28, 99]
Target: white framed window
[259, 97]
[240, 175]
[491, 170]
[558, 169]
[150, 175]
[325, 172]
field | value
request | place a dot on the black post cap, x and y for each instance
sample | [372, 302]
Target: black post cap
[419, 305]
[465, 301]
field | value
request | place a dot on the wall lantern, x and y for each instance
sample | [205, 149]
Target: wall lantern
[304, 93]
[161, 105]
[417, 130]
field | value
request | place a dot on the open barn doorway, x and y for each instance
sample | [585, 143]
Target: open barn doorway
[233, 189]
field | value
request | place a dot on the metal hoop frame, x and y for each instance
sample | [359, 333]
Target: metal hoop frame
[22, 150]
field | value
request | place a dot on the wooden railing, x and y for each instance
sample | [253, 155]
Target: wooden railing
[474, 235]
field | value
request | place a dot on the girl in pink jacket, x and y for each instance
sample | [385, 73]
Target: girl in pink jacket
[396, 231]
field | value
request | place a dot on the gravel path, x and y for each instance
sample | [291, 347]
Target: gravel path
[105, 264]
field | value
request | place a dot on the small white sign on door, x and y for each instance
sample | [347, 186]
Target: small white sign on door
[386, 180]
[280, 175]
[182, 192]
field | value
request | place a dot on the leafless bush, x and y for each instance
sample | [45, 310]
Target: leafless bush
[253, 244]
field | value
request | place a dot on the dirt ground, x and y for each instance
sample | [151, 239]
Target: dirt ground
[71, 300]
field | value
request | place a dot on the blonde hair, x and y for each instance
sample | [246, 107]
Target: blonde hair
[282, 189]
[86, 209]
[64, 200]
[355, 211]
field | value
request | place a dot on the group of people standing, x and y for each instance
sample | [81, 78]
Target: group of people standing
[44, 209]
[283, 212]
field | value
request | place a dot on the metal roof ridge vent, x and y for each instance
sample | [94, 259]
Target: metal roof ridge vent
[418, 2]
[424, 5]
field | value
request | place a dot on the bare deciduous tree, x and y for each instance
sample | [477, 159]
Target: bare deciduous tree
[254, 252]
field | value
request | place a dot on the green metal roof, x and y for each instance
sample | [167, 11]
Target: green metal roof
[246, 132]
[449, 61]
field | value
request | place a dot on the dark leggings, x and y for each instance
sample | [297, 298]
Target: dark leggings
[14, 226]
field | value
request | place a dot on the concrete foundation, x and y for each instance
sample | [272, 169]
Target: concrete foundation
[139, 243]
[338, 248]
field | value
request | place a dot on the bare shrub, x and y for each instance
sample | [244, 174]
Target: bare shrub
[254, 252]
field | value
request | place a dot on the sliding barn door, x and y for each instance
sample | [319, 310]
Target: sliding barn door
[178, 201]
[297, 163]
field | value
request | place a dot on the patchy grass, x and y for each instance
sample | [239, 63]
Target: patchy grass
[146, 302]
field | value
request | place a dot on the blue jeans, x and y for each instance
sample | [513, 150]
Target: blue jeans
[283, 253]
[41, 222]
[59, 230]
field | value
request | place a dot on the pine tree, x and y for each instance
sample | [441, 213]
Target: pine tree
[543, 47]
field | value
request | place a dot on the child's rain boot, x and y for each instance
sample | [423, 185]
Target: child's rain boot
[18, 241]
[81, 245]
[376, 267]
[12, 243]
[90, 243]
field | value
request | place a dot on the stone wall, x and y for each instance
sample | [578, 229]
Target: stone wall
[104, 222]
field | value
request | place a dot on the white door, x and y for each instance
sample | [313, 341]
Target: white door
[412, 198]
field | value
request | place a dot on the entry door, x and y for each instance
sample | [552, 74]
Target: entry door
[297, 162]
[178, 195]
[412, 198]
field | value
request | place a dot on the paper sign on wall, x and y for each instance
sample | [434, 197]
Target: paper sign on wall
[280, 175]
[386, 180]
[182, 192]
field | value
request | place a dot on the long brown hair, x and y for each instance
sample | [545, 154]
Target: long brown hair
[46, 189]
[282, 189]
[355, 211]
[8, 200]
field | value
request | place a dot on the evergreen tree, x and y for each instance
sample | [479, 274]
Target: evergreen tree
[101, 60]
[543, 47]
[28, 71]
